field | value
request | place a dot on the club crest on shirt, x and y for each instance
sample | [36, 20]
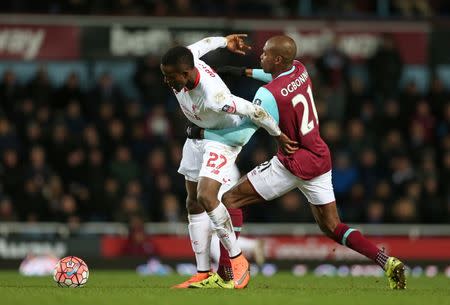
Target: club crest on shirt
[228, 109]
[257, 102]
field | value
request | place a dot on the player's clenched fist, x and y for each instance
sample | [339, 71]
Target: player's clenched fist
[236, 43]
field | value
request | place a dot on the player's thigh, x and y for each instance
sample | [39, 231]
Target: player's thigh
[271, 179]
[207, 190]
[319, 190]
[218, 162]
[241, 194]
[191, 160]
[234, 177]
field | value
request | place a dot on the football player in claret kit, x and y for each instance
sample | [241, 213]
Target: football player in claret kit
[289, 89]
[206, 164]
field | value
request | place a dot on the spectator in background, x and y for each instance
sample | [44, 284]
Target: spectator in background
[402, 172]
[332, 133]
[138, 243]
[59, 146]
[370, 171]
[134, 189]
[68, 212]
[96, 170]
[31, 204]
[443, 126]
[375, 212]
[53, 193]
[171, 211]
[37, 167]
[129, 208]
[123, 167]
[353, 209]
[8, 136]
[40, 88]
[12, 174]
[431, 205]
[25, 112]
[10, 93]
[110, 197]
[139, 143]
[334, 68]
[345, 175]
[385, 68]
[107, 91]
[389, 118]
[116, 136]
[438, 96]
[408, 98]
[424, 117]
[148, 80]
[7, 213]
[69, 91]
[157, 125]
[73, 117]
[44, 118]
[404, 211]
[357, 139]
[33, 136]
[91, 138]
[384, 193]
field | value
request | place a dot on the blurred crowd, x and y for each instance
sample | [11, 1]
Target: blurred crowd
[74, 154]
[241, 8]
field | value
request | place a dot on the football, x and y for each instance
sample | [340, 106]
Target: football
[71, 272]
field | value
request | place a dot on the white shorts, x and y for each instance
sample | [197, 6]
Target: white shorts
[272, 180]
[212, 159]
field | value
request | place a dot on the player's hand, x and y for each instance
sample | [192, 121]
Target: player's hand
[194, 132]
[287, 145]
[236, 43]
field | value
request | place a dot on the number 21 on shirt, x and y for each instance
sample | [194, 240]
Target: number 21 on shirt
[307, 124]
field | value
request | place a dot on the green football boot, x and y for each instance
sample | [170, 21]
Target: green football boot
[213, 282]
[395, 272]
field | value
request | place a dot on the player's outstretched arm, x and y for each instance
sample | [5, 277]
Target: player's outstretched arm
[258, 74]
[234, 42]
[226, 102]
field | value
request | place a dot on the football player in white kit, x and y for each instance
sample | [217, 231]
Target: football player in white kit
[206, 164]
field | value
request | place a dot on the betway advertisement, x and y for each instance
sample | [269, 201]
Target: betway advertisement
[39, 42]
[60, 42]
[356, 41]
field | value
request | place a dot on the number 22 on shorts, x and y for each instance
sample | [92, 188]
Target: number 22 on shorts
[214, 161]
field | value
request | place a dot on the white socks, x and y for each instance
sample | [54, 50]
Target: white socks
[224, 229]
[200, 232]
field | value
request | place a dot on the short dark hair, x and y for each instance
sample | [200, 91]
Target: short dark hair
[178, 55]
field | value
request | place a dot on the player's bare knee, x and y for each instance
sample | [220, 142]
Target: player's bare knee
[206, 200]
[229, 200]
[226, 199]
[324, 228]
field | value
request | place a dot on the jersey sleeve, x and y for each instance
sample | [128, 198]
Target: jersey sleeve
[240, 135]
[221, 100]
[206, 45]
[259, 74]
[233, 136]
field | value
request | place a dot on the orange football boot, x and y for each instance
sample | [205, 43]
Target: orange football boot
[194, 279]
[241, 271]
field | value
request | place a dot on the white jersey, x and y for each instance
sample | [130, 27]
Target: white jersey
[200, 105]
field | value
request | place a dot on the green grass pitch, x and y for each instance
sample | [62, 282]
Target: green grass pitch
[113, 287]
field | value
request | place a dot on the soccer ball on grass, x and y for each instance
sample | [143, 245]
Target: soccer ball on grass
[71, 272]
